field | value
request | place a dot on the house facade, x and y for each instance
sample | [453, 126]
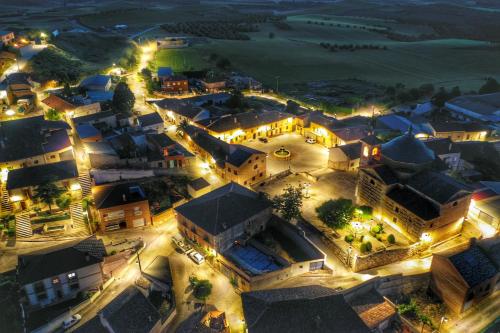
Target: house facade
[6, 37]
[121, 206]
[52, 276]
[175, 84]
[464, 279]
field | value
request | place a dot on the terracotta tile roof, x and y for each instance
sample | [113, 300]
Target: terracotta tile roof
[57, 103]
[375, 315]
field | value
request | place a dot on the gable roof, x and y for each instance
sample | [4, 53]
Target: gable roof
[40, 174]
[223, 208]
[47, 263]
[442, 146]
[439, 187]
[488, 104]
[58, 103]
[244, 120]
[474, 265]
[159, 269]
[407, 149]
[98, 80]
[299, 310]
[352, 150]
[129, 312]
[115, 195]
[414, 202]
[149, 119]
[384, 173]
[221, 151]
[28, 137]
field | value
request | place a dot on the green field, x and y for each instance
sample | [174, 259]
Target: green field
[296, 57]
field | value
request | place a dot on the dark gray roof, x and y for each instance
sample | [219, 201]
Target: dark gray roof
[245, 120]
[442, 146]
[120, 194]
[386, 174]
[407, 149]
[352, 150]
[439, 187]
[487, 104]
[458, 126]
[28, 137]
[93, 81]
[159, 269]
[40, 174]
[372, 140]
[223, 208]
[198, 183]
[220, 150]
[414, 202]
[150, 119]
[92, 326]
[474, 265]
[299, 310]
[93, 116]
[131, 312]
[47, 263]
[161, 140]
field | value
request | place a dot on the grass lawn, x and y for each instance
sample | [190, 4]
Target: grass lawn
[99, 50]
[296, 57]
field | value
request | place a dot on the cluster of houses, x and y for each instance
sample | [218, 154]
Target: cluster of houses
[171, 83]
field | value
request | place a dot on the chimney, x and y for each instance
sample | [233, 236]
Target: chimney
[124, 197]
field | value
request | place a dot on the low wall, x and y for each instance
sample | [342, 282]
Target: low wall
[380, 258]
[112, 175]
[371, 260]
[390, 285]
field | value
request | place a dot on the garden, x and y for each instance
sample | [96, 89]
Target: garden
[356, 226]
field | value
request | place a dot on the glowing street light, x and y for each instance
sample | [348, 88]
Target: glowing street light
[426, 237]
[10, 112]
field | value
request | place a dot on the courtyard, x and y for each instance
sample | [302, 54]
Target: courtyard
[305, 157]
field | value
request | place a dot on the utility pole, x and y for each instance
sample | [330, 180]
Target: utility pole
[277, 83]
[139, 261]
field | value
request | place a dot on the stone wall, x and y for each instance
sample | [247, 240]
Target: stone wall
[380, 258]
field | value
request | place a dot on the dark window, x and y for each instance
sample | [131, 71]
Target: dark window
[255, 166]
[395, 219]
[253, 178]
[372, 182]
[396, 209]
[235, 172]
[260, 175]
[455, 203]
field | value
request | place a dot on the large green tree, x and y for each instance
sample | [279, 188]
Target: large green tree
[47, 192]
[336, 213]
[201, 288]
[123, 99]
[289, 203]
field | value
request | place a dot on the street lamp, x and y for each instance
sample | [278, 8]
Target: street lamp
[443, 320]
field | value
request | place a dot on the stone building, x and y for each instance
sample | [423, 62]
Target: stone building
[405, 191]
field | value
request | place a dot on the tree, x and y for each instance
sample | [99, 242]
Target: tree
[47, 192]
[63, 201]
[289, 203]
[441, 97]
[123, 99]
[336, 213]
[52, 114]
[201, 288]
[491, 86]
[67, 90]
[237, 100]
[391, 239]
[183, 126]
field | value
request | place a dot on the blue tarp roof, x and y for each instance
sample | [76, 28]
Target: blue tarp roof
[165, 71]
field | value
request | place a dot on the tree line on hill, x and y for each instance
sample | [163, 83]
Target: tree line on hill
[400, 94]
[351, 47]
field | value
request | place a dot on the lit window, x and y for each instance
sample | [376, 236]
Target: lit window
[365, 151]
[55, 280]
[71, 275]
[375, 151]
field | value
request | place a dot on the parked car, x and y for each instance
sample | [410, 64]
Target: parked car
[311, 140]
[197, 257]
[181, 244]
[71, 321]
[263, 140]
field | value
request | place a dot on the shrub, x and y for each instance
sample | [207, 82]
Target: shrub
[366, 247]
[349, 238]
[391, 239]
